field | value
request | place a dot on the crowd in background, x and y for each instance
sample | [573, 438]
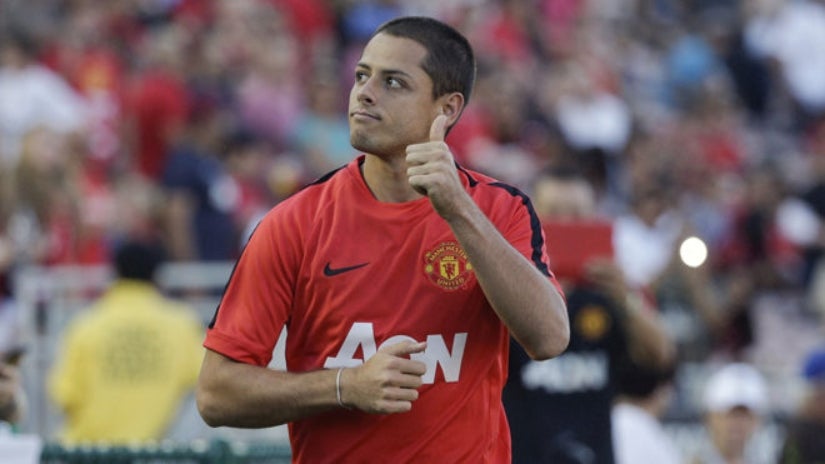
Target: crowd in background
[185, 120]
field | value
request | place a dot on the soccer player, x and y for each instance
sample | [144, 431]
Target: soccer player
[400, 278]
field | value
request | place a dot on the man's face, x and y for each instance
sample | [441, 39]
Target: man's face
[732, 429]
[390, 104]
[567, 200]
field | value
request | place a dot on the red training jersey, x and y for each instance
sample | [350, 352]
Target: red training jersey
[347, 274]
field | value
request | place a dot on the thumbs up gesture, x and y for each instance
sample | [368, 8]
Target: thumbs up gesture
[431, 168]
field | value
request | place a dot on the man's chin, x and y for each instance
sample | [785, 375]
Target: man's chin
[363, 144]
[369, 146]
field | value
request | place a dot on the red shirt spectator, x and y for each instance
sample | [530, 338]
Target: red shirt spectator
[159, 106]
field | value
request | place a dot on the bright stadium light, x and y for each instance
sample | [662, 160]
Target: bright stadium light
[693, 251]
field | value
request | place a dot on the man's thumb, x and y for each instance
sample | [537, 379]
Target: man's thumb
[438, 131]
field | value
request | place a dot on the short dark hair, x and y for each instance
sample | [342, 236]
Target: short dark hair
[639, 381]
[138, 260]
[450, 60]
[19, 40]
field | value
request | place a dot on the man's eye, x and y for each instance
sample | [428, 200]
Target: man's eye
[394, 83]
[360, 76]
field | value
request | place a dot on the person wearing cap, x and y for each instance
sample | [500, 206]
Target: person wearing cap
[805, 434]
[735, 404]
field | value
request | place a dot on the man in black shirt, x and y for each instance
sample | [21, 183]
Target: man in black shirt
[559, 410]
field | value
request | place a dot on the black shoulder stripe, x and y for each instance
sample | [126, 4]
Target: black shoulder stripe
[536, 240]
[472, 180]
[326, 176]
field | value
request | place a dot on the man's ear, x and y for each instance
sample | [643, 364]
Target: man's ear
[451, 106]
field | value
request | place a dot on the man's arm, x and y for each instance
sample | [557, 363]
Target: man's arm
[235, 394]
[526, 301]
[648, 341]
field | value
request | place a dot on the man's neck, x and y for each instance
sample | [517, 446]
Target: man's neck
[387, 179]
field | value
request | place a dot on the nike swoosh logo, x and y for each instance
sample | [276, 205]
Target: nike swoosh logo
[329, 271]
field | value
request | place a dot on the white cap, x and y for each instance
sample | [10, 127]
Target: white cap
[736, 384]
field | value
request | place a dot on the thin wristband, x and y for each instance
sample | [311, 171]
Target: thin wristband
[338, 389]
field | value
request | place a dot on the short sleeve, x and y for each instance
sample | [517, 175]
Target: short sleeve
[259, 295]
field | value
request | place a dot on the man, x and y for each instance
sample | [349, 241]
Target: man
[11, 393]
[736, 405]
[126, 365]
[560, 409]
[12, 398]
[643, 397]
[400, 278]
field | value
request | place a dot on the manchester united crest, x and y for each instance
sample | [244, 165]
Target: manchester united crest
[592, 322]
[447, 266]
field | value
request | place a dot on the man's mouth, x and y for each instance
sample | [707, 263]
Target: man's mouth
[361, 114]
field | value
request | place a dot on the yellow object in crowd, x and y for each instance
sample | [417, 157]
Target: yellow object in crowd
[126, 365]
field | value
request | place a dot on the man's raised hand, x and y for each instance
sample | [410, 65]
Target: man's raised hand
[431, 168]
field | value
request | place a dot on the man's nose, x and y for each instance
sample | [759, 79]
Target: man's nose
[366, 92]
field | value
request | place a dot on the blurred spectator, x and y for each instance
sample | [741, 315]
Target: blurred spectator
[804, 219]
[503, 32]
[792, 34]
[560, 18]
[312, 21]
[12, 396]
[691, 65]
[735, 406]
[158, 101]
[30, 191]
[249, 163]
[755, 256]
[57, 209]
[92, 204]
[750, 73]
[579, 97]
[321, 132]
[11, 393]
[707, 153]
[138, 208]
[646, 237]
[270, 96]
[643, 397]
[32, 96]
[360, 19]
[88, 60]
[591, 117]
[500, 129]
[124, 366]
[692, 301]
[806, 428]
[712, 135]
[757, 244]
[201, 195]
[559, 409]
